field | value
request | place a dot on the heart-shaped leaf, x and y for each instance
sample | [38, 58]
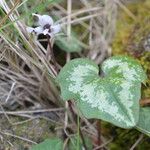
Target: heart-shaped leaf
[144, 121]
[113, 98]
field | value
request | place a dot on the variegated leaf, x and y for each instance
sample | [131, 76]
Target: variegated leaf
[113, 98]
[144, 120]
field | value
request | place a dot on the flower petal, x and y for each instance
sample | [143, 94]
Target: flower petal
[30, 29]
[38, 30]
[55, 28]
[37, 15]
[44, 19]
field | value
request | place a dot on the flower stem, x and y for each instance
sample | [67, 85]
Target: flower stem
[50, 54]
[75, 119]
[99, 142]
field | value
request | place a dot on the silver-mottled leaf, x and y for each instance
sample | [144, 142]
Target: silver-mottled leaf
[114, 98]
[144, 120]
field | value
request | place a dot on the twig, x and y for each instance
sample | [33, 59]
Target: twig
[24, 114]
[65, 143]
[25, 121]
[9, 13]
[18, 137]
[103, 144]
[32, 111]
[69, 8]
[9, 94]
[66, 116]
[137, 142]
[126, 10]
[76, 21]
[99, 142]
[16, 123]
[7, 117]
[90, 126]
[2, 55]
[73, 15]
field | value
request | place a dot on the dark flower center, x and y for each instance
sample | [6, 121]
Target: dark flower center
[47, 26]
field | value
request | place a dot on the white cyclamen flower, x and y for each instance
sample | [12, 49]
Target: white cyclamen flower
[46, 26]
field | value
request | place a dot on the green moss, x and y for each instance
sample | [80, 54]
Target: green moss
[130, 32]
[123, 139]
[35, 130]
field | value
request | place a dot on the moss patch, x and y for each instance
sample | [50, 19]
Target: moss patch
[35, 130]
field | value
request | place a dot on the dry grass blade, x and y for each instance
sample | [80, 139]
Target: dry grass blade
[18, 137]
[137, 142]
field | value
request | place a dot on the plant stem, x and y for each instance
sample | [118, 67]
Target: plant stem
[50, 54]
[78, 139]
[75, 119]
[99, 142]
